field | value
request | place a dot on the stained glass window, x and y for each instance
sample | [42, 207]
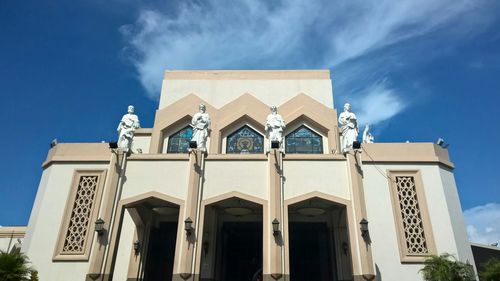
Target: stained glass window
[245, 140]
[303, 140]
[179, 142]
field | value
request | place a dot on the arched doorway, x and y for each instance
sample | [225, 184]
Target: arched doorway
[157, 224]
[318, 241]
[232, 241]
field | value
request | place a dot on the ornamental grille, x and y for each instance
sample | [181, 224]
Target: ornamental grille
[411, 216]
[80, 215]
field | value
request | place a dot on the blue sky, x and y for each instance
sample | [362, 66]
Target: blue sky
[415, 70]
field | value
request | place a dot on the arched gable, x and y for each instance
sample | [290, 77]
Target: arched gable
[171, 115]
[244, 110]
[304, 109]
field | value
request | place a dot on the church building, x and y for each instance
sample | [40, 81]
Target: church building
[244, 175]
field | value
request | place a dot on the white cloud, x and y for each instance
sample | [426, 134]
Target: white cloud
[379, 103]
[239, 34]
[482, 223]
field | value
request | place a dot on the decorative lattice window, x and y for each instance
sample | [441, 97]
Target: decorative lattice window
[303, 140]
[80, 216]
[179, 142]
[414, 231]
[245, 140]
[81, 212]
[411, 217]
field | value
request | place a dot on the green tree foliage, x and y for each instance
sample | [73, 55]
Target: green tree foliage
[446, 268]
[34, 275]
[491, 270]
[14, 267]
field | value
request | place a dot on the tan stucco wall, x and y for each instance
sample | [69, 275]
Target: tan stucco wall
[383, 226]
[329, 177]
[271, 87]
[141, 142]
[4, 244]
[45, 223]
[73, 152]
[167, 177]
[249, 177]
[456, 215]
[423, 152]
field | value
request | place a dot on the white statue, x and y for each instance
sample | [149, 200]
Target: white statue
[16, 249]
[348, 127]
[201, 126]
[126, 129]
[367, 136]
[274, 126]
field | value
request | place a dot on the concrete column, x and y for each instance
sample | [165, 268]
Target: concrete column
[107, 212]
[275, 253]
[363, 268]
[186, 255]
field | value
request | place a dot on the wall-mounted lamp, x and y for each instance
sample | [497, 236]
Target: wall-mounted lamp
[113, 145]
[363, 226]
[356, 145]
[99, 226]
[188, 226]
[276, 227]
[137, 246]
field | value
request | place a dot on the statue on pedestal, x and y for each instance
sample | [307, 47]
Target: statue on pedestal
[201, 125]
[348, 127]
[274, 126]
[367, 136]
[126, 129]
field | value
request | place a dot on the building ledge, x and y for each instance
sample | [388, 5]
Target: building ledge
[310, 74]
[238, 157]
[326, 157]
[13, 231]
[143, 132]
[158, 156]
[490, 247]
[405, 153]
[78, 152]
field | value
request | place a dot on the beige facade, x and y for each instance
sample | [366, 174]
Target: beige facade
[315, 200]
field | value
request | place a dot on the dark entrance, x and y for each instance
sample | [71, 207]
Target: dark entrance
[241, 252]
[310, 252]
[161, 251]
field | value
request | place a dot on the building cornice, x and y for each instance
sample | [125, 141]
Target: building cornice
[405, 153]
[13, 231]
[78, 152]
[313, 74]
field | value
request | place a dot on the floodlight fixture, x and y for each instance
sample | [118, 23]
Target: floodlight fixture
[275, 144]
[193, 144]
